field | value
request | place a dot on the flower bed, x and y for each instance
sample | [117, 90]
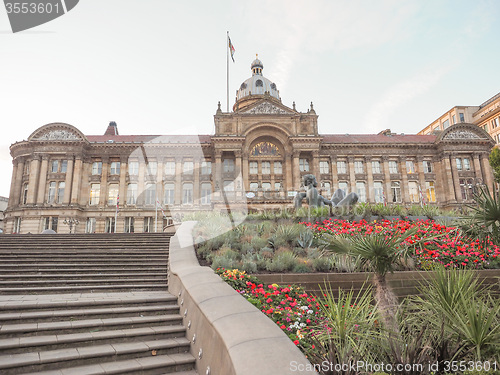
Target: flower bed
[445, 246]
[292, 309]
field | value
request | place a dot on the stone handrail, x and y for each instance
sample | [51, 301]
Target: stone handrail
[229, 336]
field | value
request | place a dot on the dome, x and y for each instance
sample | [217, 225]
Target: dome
[257, 84]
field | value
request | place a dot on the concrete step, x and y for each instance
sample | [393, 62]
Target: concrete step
[112, 312]
[48, 269]
[147, 279]
[47, 276]
[91, 325]
[169, 354]
[83, 288]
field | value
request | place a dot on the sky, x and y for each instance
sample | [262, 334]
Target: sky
[158, 67]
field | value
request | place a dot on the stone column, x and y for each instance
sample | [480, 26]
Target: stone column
[421, 176]
[315, 165]
[42, 185]
[334, 172]
[487, 172]
[455, 180]
[159, 187]
[476, 157]
[140, 184]
[238, 174]
[439, 185]
[103, 198]
[17, 182]
[387, 179]
[296, 170]
[122, 190]
[15, 163]
[77, 179]
[448, 178]
[369, 175]
[68, 181]
[404, 180]
[352, 175]
[246, 179]
[196, 182]
[33, 180]
[218, 187]
[178, 180]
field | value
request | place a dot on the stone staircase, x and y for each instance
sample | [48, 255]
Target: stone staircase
[89, 304]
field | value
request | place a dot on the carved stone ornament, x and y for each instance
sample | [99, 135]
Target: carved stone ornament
[58, 135]
[461, 134]
[267, 109]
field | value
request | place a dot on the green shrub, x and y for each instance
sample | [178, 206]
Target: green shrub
[249, 266]
[224, 261]
[258, 243]
[322, 264]
[266, 252]
[284, 261]
[247, 248]
[301, 267]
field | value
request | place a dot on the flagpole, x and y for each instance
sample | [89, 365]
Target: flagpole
[116, 211]
[227, 71]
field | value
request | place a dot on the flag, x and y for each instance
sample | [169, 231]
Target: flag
[231, 47]
[117, 202]
[161, 208]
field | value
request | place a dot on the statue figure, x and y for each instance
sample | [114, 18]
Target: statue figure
[314, 199]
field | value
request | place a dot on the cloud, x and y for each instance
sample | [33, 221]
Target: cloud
[398, 95]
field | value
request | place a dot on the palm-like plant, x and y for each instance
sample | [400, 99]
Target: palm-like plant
[485, 216]
[381, 252]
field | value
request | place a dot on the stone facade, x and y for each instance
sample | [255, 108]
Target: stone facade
[254, 161]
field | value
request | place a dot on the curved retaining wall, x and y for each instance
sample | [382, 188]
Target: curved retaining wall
[228, 334]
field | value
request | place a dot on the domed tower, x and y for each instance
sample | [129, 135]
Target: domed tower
[255, 88]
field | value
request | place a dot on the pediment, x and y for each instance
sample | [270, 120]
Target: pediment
[465, 132]
[57, 132]
[268, 108]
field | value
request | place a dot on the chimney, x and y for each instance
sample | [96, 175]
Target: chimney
[112, 129]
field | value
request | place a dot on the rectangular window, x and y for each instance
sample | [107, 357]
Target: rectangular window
[132, 194]
[17, 225]
[375, 167]
[90, 225]
[25, 194]
[343, 186]
[150, 194]
[266, 167]
[55, 166]
[206, 167]
[110, 225]
[95, 192]
[446, 124]
[50, 223]
[64, 166]
[361, 191]
[112, 194]
[410, 167]
[393, 167]
[97, 168]
[169, 193]
[148, 224]
[114, 168]
[396, 192]
[278, 167]
[254, 186]
[52, 192]
[324, 167]
[187, 167]
[133, 168]
[486, 128]
[454, 119]
[253, 167]
[152, 168]
[341, 167]
[303, 165]
[379, 192]
[427, 166]
[60, 192]
[459, 164]
[462, 117]
[277, 186]
[359, 167]
[169, 168]
[228, 165]
[206, 192]
[54, 223]
[27, 168]
[327, 188]
[466, 164]
[496, 122]
[129, 225]
[431, 192]
[413, 192]
[187, 193]
[266, 186]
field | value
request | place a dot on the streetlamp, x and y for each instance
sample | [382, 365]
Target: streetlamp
[71, 222]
